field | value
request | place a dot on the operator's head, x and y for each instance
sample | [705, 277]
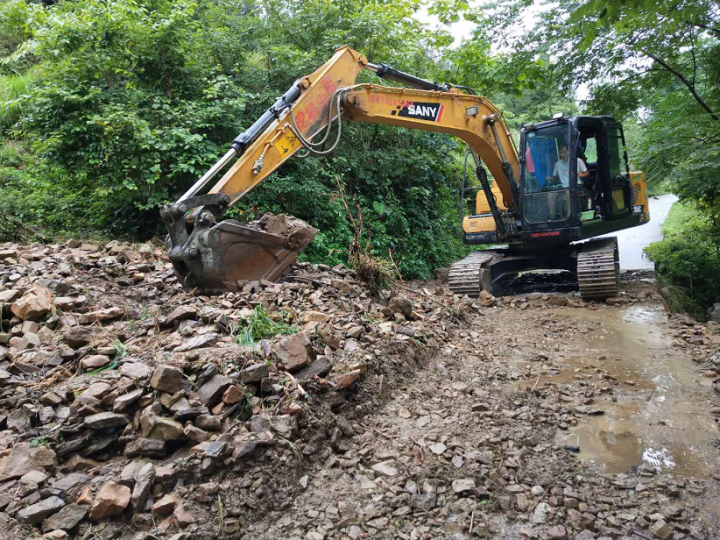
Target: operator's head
[564, 154]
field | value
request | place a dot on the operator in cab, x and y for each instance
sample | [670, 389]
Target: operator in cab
[561, 172]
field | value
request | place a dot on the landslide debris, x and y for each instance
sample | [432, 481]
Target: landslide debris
[119, 391]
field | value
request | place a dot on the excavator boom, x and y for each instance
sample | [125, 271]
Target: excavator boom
[220, 256]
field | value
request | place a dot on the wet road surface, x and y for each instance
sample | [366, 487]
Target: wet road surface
[633, 241]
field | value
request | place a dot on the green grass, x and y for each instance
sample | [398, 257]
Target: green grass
[13, 90]
[258, 326]
[687, 260]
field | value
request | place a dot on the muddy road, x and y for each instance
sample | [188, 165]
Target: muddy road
[483, 440]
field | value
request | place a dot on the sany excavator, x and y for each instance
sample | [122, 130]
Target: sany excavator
[568, 183]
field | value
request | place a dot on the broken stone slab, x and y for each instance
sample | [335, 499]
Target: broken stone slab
[106, 420]
[94, 362]
[212, 391]
[198, 342]
[320, 367]
[165, 505]
[162, 429]
[346, 380]
[24, 458]
[294, 352]
[385, 468]
[67, 518]
[232, 395]
[182, 313]
[35, 513]
[253, 373]
[71, 484]
[135, 370]
[463, 485]
[143, 484]
[78, 336]
[102, 315]
[183, 517]
[145, 447]
[8, 296]
[122, 402]
[67, 303]
[661, 529]
[34, 304]
[485, 299]
[167, 379]
[111, 500]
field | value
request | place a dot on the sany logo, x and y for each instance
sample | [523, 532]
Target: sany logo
[431, 112]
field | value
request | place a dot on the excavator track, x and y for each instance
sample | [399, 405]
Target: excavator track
[464, 275]
[598, 268]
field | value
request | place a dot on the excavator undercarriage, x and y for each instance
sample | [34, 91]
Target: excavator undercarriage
[591, 266]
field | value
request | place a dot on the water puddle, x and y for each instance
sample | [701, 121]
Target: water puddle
[660, 415]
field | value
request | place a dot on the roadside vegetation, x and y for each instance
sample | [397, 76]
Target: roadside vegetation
[110, 109]
[687, 261]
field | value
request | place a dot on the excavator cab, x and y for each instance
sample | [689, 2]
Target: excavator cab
[575, 181]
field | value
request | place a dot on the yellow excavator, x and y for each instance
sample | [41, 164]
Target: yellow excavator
[568, 183]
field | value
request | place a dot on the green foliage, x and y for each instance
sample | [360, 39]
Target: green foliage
[687, 260]
[258, 326]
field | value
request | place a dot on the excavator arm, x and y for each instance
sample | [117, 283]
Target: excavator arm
[217, 256]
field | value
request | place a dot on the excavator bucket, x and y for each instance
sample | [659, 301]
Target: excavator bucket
[216, 257]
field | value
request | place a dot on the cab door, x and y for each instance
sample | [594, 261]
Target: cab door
[618, 189]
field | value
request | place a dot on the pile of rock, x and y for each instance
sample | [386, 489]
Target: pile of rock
[107, 366]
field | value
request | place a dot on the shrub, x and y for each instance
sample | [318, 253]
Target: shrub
[687, 261]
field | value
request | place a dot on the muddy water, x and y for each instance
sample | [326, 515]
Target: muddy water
[661, 414]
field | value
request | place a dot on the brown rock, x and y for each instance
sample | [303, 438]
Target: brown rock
[145, 447]
[314, 316]
[8, 296]
[557, 532]
[183, 517]
[94, 362]
[198, 342]
[402, 305]
[165, 506]
[182, 313]
[85, 497]
[232, 395]
[79, 463]
[24, 458]
[34, 304]
[160, 428]
[485, 299]
[167, 379]
[110, 501]
[77, 336]
[347, 379]
[661, 529]
[102, 315]
[295, 352]
[196, 434]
